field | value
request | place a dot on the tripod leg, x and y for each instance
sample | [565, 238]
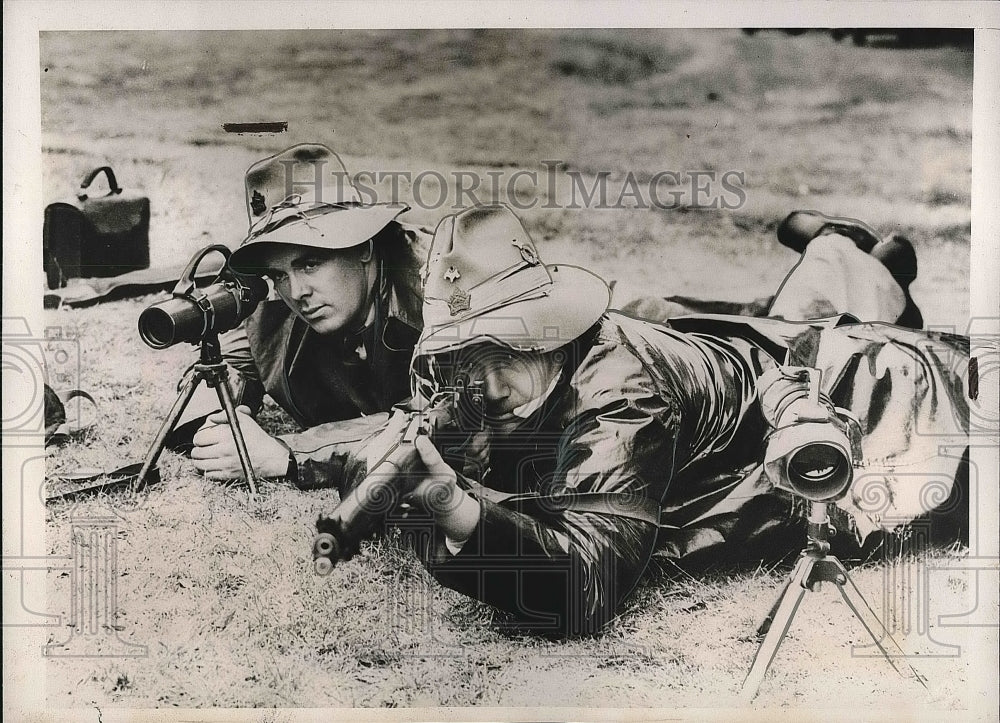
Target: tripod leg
[183, 397]
[765, 624]
[857, 603]
[225, 393]
[781, 613]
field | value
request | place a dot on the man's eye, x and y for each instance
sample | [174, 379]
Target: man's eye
[278, 277]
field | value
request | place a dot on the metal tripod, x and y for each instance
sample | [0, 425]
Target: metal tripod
[211, 369]
[815, 565]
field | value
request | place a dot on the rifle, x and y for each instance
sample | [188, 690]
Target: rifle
[359, 513]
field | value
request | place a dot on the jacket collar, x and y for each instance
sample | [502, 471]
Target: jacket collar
[405, 306]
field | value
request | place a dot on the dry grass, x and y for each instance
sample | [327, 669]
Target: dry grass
[220, 588]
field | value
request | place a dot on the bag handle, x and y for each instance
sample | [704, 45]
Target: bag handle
[112, 182]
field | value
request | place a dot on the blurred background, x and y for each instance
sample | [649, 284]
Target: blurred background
[864, 123]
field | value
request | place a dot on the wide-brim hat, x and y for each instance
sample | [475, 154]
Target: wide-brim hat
[304, 196]
[484, 282]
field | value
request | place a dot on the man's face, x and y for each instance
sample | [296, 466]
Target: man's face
[511, 380]
[329, 289]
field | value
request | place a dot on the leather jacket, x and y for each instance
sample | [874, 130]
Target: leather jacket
[670, 414]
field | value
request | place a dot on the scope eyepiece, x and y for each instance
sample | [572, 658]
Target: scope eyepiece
[812, 461]
[812, 450]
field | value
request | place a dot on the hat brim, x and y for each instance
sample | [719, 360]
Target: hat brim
[337, 229]
[573, 303]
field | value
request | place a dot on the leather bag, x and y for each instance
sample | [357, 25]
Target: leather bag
[95, 237]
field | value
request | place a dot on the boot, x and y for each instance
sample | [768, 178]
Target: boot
[801, 227]
[896, 254]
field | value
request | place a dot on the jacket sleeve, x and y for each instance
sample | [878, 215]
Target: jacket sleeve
[638, 413]
[236, 351]
[333, 454]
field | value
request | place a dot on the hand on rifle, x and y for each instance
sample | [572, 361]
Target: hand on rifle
[455, 511]
[431, 484]
[388, 439]
[215, 455]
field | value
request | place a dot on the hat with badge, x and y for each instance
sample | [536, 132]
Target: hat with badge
[484, 281]
[304, 196]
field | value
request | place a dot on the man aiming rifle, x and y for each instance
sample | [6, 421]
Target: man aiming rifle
[608, 438]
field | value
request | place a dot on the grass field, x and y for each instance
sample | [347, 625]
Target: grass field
[220, 588]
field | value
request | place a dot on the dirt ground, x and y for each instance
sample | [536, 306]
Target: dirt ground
[220, 589]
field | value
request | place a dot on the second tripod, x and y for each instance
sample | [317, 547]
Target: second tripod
[815, 566]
